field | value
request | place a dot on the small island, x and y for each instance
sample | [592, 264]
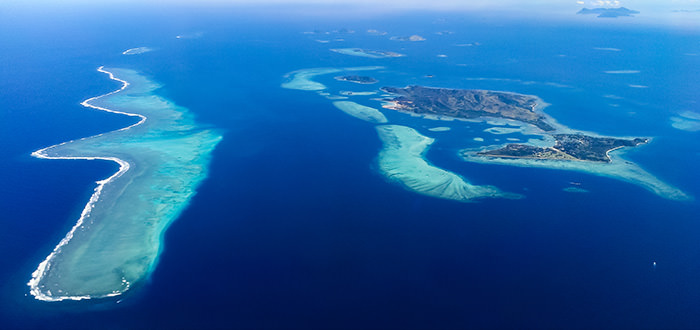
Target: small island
[608, 12]
[357, 79]
[467, 104]
[567, 147]
[414, 37]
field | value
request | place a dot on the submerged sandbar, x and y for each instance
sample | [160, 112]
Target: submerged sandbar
[366, 52]
[362, 112]
[116, 241]
[137, 51]
[403, 160]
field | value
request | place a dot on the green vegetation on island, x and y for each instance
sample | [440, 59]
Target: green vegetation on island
[467, 104]
[567, 147]
[357, 79]
[472, 104]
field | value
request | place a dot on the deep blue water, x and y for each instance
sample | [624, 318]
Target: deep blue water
[295, 229]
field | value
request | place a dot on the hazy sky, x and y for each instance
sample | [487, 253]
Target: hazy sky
[410, 3]
[675, 12]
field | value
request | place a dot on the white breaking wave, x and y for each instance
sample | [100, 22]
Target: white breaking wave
[124, 166]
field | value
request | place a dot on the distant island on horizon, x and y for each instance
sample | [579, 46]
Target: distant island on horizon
[366, 52]
[608, 12]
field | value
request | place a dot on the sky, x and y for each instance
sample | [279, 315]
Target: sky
[678, 13]
[408, 3]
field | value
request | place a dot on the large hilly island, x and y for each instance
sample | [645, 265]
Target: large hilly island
[467, 104]
[475, 103]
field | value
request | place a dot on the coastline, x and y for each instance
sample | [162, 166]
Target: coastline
[124, 166]
[618, 168]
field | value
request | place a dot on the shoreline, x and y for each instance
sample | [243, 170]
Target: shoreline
[618, 168]
[124, 166]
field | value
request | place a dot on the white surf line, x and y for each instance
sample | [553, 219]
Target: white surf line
[123, 167]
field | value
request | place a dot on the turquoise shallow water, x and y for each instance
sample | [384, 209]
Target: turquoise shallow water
[117, 239]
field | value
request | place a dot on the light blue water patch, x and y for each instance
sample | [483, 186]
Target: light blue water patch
[362, 112]
[403, 160]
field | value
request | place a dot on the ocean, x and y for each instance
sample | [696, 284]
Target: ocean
[295, 228]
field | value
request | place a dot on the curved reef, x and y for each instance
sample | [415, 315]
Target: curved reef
[403, 160]
[366, 52]
[116, 241]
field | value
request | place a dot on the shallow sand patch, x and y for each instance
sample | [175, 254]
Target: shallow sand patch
[359, 111]
[402, 160]
[439, 129]
[686, 121]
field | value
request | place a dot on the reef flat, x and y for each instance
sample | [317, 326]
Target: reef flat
[617, 168]
[118, 237]
[403, 160]
[366, 52]
[362, 112]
